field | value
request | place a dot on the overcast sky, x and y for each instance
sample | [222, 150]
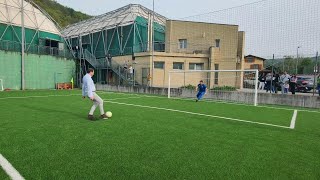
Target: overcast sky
[173, 9]
[272, 26]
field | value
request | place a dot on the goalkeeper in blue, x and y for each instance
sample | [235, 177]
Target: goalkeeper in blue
[202, 90]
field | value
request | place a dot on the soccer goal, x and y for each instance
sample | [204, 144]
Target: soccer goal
[240, 86]
[1, 85]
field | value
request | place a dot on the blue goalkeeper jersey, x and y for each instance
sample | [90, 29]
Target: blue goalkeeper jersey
[202, 88]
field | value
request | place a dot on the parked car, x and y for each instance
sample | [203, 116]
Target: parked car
[304, 84]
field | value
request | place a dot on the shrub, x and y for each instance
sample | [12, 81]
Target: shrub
[188, 87]
[224, 88]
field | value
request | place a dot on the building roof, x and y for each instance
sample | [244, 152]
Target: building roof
[256, 57]
[119, 17]
[34, 18]
[201, 22]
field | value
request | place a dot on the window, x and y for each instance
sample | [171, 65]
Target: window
[178, 65]
[196, 66]
[216, 74]
[250, 59]
[183, 43]
[256, 66]
[159, 65]
[217, 43]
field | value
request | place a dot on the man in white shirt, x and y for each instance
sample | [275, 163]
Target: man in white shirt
[89, 90]
[284, 78]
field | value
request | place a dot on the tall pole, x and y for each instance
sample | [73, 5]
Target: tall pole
[152, 48]
[22, 47]
[316, 71]
[256, 88]
[297, 59]
[272, 73]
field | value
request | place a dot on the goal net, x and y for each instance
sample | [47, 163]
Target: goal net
[240, 86]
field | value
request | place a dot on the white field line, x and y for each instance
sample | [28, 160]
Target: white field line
[9, 169]
[220, 102]
[217, 102]
[293, 120]
[26, 97]
[198, 114]
[125, 98]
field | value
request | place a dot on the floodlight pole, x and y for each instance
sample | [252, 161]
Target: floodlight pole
[152, 48]
[316, 71]
[169, 86]
[22, 48]
[297, 59]
[256, 88]
[272, 73]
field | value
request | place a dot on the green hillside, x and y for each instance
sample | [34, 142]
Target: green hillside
[62, 14]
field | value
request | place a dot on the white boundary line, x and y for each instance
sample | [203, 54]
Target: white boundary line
[125, 98]
[9, 169]
[198, 114]
[293, 120]
[27, 97]
[185, 99]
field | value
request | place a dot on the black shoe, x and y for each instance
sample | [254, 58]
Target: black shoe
[91, 117]
[197, 100]
[103, 116]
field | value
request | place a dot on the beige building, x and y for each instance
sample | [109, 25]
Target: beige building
[192, 46]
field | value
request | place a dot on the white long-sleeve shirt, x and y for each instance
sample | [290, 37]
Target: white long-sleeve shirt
[88, 86]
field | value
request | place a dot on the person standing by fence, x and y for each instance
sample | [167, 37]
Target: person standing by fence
[284, 79]
[318, 83]
[262, 80]
[269, 79]
[293, 84]
[149, 80]
[275, 83]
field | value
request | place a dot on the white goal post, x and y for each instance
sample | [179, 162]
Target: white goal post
[226, 85]
[1, 85]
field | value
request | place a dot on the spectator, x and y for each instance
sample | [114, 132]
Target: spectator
[130, 72]
[275, 83]
[318, 81]
[262, 80]
[284, 78]
[269, 78]
[286, 87]
[149, 80]
[293, 84]
[125, 65]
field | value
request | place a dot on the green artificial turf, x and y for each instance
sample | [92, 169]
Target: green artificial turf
[50, 138]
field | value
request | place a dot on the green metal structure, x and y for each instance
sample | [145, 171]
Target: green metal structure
[125, 31]
[33, 53]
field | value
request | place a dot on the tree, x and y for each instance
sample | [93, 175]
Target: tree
[63, 15]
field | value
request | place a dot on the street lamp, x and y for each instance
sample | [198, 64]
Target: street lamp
[297, 59]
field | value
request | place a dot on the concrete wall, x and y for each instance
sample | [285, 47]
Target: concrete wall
[232, 96]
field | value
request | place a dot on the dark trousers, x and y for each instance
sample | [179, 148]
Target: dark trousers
[268, 86]
[293, 87]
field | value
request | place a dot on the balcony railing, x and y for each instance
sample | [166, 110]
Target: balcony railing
[35, 49]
